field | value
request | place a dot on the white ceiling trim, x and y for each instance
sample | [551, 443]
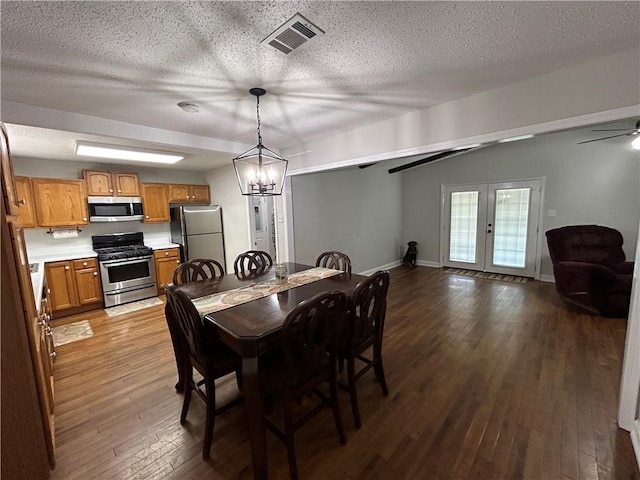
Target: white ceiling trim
[537, 129]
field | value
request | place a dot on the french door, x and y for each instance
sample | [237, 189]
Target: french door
[491, 227]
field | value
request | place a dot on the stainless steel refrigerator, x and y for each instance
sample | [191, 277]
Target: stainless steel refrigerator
[198, 230]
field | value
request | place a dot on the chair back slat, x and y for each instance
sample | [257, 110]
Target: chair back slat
[310, 334]
[252, 261]
[189, 321]
[335, 260]
[368, 308]
[197, 269]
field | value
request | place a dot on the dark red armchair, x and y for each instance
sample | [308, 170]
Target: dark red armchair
[590, 269]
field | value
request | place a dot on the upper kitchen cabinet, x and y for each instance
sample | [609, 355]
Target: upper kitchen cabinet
[60, 202]
[24, 196]
[111, 184]
[180, 193]
[155, 202]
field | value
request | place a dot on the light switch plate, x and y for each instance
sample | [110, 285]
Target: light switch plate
[551, 213]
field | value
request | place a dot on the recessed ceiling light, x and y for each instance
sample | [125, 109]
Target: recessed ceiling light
[466, 147]
[189, 107]
[514, 139]
[99, 150]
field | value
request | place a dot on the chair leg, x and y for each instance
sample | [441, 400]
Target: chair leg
[188, 388]
[335, 406]
[211, 416]
[289, 432]
[379, 371]
[352, 391]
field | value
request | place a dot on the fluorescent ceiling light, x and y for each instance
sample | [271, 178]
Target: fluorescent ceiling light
[514, 139]
[99, 150]
[636, 144]
[466, 147]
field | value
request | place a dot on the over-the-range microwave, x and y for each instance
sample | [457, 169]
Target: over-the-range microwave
[115, 209]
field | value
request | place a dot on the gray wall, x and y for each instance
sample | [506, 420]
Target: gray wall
[591, 183]
[355, 211]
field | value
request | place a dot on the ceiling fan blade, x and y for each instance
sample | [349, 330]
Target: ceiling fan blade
[604, 138]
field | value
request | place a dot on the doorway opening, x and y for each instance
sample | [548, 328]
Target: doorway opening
[492, 227]
[263, 232]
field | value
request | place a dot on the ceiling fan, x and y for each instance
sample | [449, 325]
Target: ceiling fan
[632, 131]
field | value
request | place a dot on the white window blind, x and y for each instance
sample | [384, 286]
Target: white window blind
[464, 227]
[510, 229]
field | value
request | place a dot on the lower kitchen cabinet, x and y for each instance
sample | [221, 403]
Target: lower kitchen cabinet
[166, 262]
[73, 283]
[87, 281]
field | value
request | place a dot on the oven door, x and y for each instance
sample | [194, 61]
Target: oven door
[125, 273]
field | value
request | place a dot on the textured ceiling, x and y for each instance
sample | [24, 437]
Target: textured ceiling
[134, 61]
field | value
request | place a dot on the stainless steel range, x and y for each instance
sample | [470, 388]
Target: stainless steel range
[126, 267]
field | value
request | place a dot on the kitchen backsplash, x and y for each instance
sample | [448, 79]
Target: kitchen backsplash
[39, 240]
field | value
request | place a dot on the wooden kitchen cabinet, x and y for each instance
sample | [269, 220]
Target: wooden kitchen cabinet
[183, 193]
[166, 262]
[63, 288]
[73, 283]
[60, 202]
[24, 196]
[87, 278]
[111, 184]
[155, 202]
[27, 407]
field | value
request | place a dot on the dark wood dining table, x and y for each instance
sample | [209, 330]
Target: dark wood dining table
[253, 328]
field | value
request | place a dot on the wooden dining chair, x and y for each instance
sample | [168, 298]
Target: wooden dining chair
[335, 260]
[197, 269]
[252, 261]
[367, 310]
[306, 360]
[209, 357]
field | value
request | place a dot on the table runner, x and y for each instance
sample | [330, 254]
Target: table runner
[223, 300]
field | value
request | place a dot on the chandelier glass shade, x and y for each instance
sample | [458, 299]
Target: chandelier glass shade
[260, 171]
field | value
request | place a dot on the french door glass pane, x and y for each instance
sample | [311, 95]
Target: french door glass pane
[464, 227]
[510, 229]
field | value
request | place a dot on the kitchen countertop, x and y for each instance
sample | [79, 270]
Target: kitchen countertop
[38, 257]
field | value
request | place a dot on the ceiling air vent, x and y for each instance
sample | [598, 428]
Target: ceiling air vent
[292, 34]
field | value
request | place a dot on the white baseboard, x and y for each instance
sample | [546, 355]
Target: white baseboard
[547, 278]
[635, 441]
[425, 263]
[381, 267]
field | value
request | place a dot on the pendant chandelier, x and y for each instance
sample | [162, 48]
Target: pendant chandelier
[260, 171]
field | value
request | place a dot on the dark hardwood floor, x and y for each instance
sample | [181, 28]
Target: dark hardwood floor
[487, 380]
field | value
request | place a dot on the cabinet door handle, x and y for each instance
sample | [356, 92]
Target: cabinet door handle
[146, 216]
[84, 219]
[95, 274]
[22, 201]
[111, 190]
[188, 197]
[119, 191]
[84, 264]
[177, 262]
[66, 267]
